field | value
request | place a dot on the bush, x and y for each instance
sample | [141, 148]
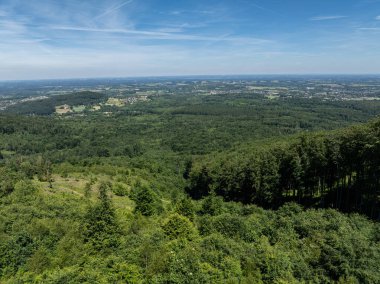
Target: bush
[15, 253]
[177, 226]
[147, 203]
[186, 208]
[212, 205]
[119, 190]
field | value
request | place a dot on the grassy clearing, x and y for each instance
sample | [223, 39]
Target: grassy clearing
[115, 102]
[79, 108]
[76, 185]
[62, 109]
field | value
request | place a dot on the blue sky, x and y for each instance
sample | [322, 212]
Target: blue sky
[98, 38]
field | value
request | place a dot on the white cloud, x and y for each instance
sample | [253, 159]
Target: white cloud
[377, 18]
[326, 18]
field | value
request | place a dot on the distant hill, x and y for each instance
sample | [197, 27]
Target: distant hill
[47, 106]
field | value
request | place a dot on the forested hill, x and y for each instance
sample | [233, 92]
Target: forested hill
[47, 106]
[339, 169]
[101, 193]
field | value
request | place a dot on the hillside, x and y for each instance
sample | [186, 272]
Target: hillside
[338, 169]
[116, 219]
[180, 183]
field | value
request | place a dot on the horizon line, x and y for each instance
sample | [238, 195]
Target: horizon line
[190, 76]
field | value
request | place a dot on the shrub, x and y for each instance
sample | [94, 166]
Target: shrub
[177, 226]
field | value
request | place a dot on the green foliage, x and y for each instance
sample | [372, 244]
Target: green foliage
[134, 150]
[188, 166]
[339, 170]
[177, 226]
[100, 227]
[54, 230]
[87, 189]
[147, 203]
[47, 106]
[8, 180]
[119, 190]
[39, 261]
[200, 184]
[212, 205]
[15, 252]
[23, 189]
[185, 207]
[126, 273]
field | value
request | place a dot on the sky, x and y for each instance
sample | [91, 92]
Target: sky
[46, 39]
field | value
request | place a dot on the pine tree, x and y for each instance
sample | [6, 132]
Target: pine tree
[146, 201]
[100, 224]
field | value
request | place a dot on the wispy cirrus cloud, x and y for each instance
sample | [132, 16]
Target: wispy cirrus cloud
[11, 27]
[167, 35]
[52, 38]
[369, 29]
[377, 18]
[327, 18]
[113, 9]
[181, 12]
[263, 8]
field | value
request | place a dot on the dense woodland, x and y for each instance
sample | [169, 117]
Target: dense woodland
[196, 189]
[338, 169]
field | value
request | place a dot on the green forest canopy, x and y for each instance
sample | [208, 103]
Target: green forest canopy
[178, 192]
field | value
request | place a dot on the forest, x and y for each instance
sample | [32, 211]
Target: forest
[46, 106]
[339, 169]
[233, 188]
